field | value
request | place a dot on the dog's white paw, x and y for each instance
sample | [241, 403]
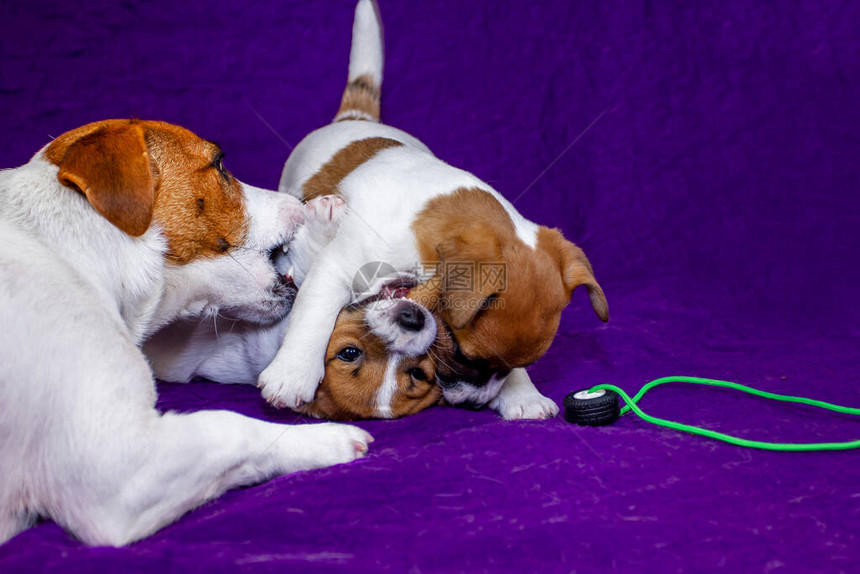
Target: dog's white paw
[518, 406]
[323, 214]
[305, 447]
[327, 444]
[290, 384]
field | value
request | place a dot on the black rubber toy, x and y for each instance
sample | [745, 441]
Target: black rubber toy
[591, 409]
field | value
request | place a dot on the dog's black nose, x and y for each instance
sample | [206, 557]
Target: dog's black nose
[410, 318]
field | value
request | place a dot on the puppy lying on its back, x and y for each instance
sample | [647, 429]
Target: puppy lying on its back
[379, 362]
[429, 220]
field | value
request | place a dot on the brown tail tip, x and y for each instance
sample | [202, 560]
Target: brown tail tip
[360, 101]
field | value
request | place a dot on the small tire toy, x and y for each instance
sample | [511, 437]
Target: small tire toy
[591, 409]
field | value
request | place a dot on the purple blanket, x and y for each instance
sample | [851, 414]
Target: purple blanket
[705, 156]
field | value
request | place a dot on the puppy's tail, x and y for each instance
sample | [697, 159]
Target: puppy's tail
[361, 97]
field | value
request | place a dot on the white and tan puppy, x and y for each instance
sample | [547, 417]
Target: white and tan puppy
[429, 221]
[379, 363]
[110, 231]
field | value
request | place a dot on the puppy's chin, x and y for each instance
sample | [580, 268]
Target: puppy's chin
[270, 309]
[266, 313]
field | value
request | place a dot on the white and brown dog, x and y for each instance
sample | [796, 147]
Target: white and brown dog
[111, 231]
[428, 220]
[381, 358]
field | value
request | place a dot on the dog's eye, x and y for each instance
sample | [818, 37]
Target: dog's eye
[349, 354]
[418, 374]
[218, 164]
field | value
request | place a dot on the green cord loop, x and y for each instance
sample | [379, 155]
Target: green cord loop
[790, 447]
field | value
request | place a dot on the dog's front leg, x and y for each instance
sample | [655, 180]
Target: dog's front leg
[519, 399]
[157, 471]
[292, 378]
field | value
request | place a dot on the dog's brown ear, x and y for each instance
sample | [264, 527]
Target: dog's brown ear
[111, 167]
[575, 269]
[463, 291]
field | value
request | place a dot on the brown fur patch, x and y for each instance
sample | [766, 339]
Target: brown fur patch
[361, 95]
[348, 389]
[576, 268]
[413, 394]
[200, 209]
[509, 325]
[110, 165]
[326, 180]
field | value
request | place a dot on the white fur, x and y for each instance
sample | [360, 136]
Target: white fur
[306, 160]
[80, 439]
[221, 350]
[238, 285]
[234, 351]
[388, 388]
[384, 195]
[230, 351]
[475, 396]
[519, 399]
[367, 48]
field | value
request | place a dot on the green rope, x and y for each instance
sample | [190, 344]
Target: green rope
[631, 405]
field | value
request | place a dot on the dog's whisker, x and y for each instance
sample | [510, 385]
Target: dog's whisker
[434, 354]
[239, 263]
[366, 335]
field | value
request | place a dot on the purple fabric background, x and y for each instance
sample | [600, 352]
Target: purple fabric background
[717, 197]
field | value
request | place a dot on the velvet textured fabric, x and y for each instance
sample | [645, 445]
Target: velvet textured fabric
[704, 155]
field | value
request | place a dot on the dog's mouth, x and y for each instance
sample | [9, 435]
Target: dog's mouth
[286, 284]
[460, 369]
[396, 289]
[284, 287]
